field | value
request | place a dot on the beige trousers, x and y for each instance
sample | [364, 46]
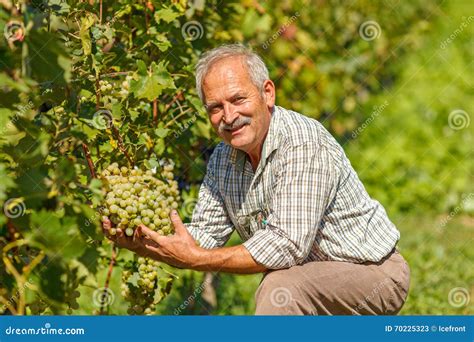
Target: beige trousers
[336, 288]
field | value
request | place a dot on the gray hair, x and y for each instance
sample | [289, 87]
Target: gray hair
[257, 69]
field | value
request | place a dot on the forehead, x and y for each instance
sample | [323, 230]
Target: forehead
[227, 76]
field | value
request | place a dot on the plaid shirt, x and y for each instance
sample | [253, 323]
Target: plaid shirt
[304, 202]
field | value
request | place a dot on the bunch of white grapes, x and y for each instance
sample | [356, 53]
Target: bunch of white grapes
[135, 197]
[142, 294]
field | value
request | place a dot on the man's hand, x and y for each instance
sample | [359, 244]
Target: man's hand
[179, 250]
[132, 243]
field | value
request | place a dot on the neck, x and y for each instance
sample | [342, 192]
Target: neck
[255, 157]
[255, 154]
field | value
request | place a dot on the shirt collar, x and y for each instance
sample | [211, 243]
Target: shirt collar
[271, 143]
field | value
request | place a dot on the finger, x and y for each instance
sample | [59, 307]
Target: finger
[137, 234]
[178, 225]
[148, 233]
[106, 224]
[106, 228]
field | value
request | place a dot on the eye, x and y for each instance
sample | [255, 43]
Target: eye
[238, 100]
[214, 109]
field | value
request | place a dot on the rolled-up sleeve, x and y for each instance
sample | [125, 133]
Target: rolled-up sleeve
[210, 224]
[305, 186]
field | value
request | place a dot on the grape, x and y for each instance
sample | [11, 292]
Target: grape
[134, 197]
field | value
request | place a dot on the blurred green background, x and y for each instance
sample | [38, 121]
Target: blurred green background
[393, 81]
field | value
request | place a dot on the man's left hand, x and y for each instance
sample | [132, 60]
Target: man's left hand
[179, 250]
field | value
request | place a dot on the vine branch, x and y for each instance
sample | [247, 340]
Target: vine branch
[155, 111]
[120, 144]
[107, 279]
[90, 163]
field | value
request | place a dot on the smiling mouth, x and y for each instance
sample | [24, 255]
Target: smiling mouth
[236, 130]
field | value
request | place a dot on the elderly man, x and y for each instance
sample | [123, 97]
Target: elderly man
[284, 183]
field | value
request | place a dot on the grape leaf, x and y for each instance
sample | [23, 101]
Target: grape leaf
[166, 14]
[150, 84]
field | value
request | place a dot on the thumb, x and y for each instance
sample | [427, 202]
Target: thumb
[178, 225]
[143, 230]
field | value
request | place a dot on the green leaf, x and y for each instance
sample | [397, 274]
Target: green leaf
[86, 24]
[90, 259]
[150, 85]
[52, 280]
[6, 182]
[166, 14]
[162, 132]
[48, 59]
[133, 279]
[161, 41]
[151, 163]
[162, 76]
[159, 147]
[60, 237]
[142, 69]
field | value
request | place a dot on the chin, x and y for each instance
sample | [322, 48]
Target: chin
[240, 143]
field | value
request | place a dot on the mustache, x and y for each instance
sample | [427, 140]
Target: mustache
[239, 122]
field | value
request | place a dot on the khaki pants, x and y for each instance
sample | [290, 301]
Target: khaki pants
[336, 288]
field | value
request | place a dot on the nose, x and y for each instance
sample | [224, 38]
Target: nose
[230, 114]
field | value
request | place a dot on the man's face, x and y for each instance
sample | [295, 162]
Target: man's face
[237, 110]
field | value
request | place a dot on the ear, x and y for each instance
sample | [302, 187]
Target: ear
[269, 93]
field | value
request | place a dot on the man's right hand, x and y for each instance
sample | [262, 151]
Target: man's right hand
[133, 243]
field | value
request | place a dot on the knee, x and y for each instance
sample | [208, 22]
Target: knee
[278, 294]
